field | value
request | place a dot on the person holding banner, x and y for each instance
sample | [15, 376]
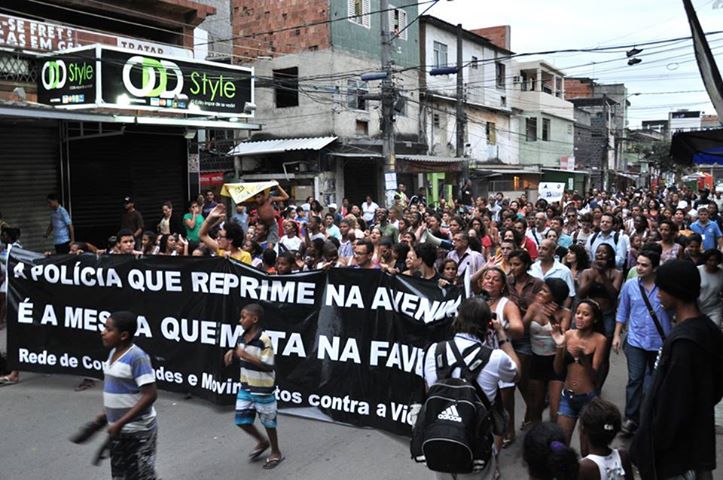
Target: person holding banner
[230, 237]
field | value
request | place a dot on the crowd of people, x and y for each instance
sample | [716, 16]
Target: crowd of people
[567, 283]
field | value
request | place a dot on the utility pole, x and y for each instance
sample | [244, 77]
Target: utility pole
[606, 145]
[461, 120]
[387, 104]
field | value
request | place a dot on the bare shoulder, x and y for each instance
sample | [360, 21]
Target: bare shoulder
[588, 470]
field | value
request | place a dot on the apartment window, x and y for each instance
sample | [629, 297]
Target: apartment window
[362, 128]
[503, 101]
[440, 55]
[500, 73]
[436, 122]
[359, 12]
[474, 63]
[546, 129]
[286, 87]
[356, 95]
[491, 131]
[531, 129]
[398, 22]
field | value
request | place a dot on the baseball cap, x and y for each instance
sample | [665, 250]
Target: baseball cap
[127, 199]
[332, 205]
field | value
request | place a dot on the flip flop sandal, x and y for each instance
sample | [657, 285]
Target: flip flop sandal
[6, 380]
[507, 442]
[256, 453]
[272, 462]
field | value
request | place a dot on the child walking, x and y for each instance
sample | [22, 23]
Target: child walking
[258, 382]
[600, 422]
[129, 391]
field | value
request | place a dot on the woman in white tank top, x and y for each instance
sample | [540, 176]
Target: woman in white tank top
[494, 288]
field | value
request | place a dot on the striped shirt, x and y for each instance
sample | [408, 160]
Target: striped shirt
[253, 379]
[122, 388]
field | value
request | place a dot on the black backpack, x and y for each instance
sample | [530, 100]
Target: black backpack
[453, 432]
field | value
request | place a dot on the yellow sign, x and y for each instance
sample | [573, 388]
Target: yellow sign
[241, 192]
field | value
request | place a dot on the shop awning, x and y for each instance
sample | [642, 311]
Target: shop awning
[27, 110]
[431, 158]
[576, 172]
[280, 145]
[428, 164]
[703, 147]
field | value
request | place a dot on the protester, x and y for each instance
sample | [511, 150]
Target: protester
[470, 327]
[676, 436]
[579, 356]
[547, 310]
[647, 326]
[255, 353]
[711, 286]
[61, 226]
[599, 424]
[129, 391]
[547, 455]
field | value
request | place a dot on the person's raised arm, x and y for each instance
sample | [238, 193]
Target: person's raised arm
[282, 197]
[512, 313]
[214, 218]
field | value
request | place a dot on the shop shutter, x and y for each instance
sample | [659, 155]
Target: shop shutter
[150, 166]
[29, 166]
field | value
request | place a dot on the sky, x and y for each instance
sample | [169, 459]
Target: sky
[560, 24]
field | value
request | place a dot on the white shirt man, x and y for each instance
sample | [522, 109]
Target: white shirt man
[539, 231]
[369, 209]
[466, 258]
[547, 266]
[617, 240]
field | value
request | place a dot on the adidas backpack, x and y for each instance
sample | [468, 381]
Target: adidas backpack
[453, 432]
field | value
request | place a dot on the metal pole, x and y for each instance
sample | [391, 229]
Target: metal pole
[460, 105]
[387, 101]
[606, 145]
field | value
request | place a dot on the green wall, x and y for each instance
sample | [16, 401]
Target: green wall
[356, 38]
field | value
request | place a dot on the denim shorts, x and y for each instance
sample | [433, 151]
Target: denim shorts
[571, 403]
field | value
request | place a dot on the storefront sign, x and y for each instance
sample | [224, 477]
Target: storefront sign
[348, 342]
[133, 80]
[68, 79]
[32, 35]
[211, 179]
[140, 81]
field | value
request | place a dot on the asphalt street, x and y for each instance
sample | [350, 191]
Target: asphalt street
[198, 440]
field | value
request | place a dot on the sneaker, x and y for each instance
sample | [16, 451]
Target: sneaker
[628, 428]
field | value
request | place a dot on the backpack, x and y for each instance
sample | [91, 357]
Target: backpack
[453, 432]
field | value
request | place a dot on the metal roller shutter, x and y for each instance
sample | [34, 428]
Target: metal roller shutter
[151, 167]
[29, 165]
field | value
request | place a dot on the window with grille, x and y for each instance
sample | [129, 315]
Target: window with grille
[359, 12]
[474, 63]
[440, 55]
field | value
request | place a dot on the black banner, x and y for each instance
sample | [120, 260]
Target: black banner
[348, 342]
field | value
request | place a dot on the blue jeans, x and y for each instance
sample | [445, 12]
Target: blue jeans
[640, 374]
[571, 403]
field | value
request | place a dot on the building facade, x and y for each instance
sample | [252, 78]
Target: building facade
[310, 87]
[91, 151]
